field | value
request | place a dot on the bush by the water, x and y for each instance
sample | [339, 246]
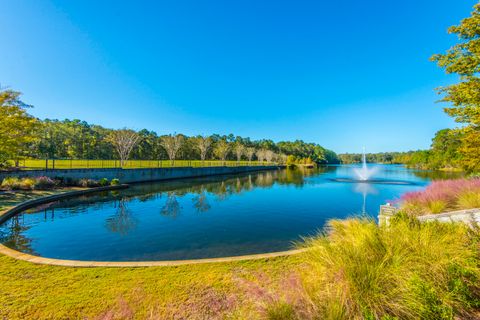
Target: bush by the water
[38, 183]
[443, 195]
[407, 270]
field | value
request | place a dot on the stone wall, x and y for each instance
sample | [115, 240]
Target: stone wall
[468, 216]
[137, 175]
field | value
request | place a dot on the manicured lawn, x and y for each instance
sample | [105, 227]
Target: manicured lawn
[30, 291]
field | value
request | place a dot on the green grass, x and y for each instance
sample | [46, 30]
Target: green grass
[132, 164]
[9, 199]
[31, 291]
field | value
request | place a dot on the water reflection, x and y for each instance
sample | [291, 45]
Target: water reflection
[13, 235]
[172, 206]
[123, 221]
[365, 189]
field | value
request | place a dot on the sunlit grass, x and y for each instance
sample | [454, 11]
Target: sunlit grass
[407, 270]
[131, 164]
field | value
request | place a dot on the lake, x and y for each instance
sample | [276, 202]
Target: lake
[206, 217]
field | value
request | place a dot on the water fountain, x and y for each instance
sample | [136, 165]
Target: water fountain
[364, 173]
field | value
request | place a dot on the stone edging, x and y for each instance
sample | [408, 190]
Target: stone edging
[79, 263]
[449, 214]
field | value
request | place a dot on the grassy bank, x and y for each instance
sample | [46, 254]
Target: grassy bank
[31, 291]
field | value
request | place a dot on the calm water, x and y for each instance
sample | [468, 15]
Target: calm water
[204, 217]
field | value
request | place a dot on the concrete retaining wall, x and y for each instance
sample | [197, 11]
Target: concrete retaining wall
[137, 175]
[468, 216]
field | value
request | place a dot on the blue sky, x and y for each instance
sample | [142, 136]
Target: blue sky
[340, 73]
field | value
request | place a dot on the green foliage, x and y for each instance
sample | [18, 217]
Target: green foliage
[103, 182]
[114, 182]
[17, 127]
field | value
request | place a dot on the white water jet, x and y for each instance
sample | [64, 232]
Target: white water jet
[364, 173]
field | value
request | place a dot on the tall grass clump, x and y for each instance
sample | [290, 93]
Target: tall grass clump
[406, 270]
[443, 195]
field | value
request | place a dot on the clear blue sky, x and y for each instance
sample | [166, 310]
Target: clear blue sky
[340, 73]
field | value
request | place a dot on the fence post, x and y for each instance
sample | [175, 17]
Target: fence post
[46, 164]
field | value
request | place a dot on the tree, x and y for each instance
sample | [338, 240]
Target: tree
[17, 127]
[250, 152]
[203, 145]
[222, 148]
[239, 150]
[463, 59]
[172, 144]
[269, 154]
[261, 155]
[124, 141]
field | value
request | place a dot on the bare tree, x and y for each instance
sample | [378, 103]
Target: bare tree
[203, 145]
[222, 149]
[250, 152]
[124, 141]
[260, 155]
[239, 150]
[269, 154]
[172, 144]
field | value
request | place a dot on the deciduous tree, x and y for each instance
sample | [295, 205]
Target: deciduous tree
[171, 144]
[124, 141]
[222, 149]
[203, 145]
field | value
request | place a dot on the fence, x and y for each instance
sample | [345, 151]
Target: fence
[50, 164]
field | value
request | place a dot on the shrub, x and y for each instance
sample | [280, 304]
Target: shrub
[28, 183]
[11, 183]
[437, 206]
[469, 200]
[43, 183]
[408, 270]
[103, 182]
[115, 182]
[88, 183]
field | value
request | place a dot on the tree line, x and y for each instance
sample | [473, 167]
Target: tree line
[23, 136]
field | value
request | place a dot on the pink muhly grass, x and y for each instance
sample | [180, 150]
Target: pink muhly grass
[444, 191]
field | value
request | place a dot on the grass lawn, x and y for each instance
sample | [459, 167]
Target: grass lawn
[9, 199]
[30, 291]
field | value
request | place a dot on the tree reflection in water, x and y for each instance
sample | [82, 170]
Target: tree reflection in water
[200, 202]
[13, 236]
[172, 207]
[122, 221]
